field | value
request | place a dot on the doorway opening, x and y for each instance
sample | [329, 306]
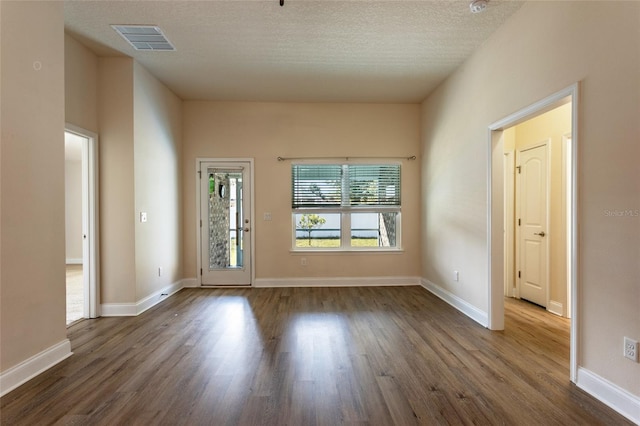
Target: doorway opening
[81, 224]
[533, 210]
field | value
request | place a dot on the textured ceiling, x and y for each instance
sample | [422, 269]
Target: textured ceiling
[306, 51]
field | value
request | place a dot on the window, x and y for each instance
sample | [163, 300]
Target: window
[345, 206]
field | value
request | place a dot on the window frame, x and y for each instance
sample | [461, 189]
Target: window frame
[345, 213]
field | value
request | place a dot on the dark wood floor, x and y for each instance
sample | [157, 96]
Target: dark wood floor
[325, 356]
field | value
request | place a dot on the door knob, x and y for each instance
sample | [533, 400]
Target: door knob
[541, 233]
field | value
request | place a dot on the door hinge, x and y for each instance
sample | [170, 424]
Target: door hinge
[518, 167]
[200, 223]
[518, 274]
[200, 271]
[518, 222]
[199, 174]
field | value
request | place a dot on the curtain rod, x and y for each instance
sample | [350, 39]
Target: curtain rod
[412, 157]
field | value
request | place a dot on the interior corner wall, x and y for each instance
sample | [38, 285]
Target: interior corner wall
[117, 210]
[80, 85]
[264, 131]
[32, 311]
[543, 48]
[158, 191]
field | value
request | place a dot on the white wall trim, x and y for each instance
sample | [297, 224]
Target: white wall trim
[463, 306]
[74, 261]
[190, 283]
[610, 394]
[555, 308]
[31, 367]
[157, 297]
[134, 309]
[337, 282]
[118, 309]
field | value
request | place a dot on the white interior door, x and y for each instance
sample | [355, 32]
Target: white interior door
[532, 219]
[225, 221]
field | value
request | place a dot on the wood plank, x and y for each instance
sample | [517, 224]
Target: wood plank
[312, 356]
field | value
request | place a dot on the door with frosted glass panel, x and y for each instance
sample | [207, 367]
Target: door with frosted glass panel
[225, 196]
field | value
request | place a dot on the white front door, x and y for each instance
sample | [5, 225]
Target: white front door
[532, 224]
[225, 197]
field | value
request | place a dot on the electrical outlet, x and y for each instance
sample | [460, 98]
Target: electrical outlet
[303, 261]
[266, 216]
[631, 349]
[160, 271]
[456, 276]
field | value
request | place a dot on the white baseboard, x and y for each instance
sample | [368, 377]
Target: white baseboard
[337, 282]
[463, 306]
[73, 261]
[610, 394]
[29, 368]
[118, 309]
[555, 308]
[190, 283]
[134, 309]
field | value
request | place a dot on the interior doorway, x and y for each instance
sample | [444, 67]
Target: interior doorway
[501, 282]
[81, 224]
[73, 226]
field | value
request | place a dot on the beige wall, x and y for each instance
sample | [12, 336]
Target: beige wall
[157, 157]
[264, 131]
[552, 126]
[117, 211]
[543, 48]
[80, 85]
[32, 311]
[81, 110]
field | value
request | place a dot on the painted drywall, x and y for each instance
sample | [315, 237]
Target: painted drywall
[80, 85]
[139, 130]
[73, 210]
[543, 48]
[117, 211]
[264, 131]
[552, 126]
[32, 311]
[157, 162]
[81, 110]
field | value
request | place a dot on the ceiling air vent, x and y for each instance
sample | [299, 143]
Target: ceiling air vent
[144, 37]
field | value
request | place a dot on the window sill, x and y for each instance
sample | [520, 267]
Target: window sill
[345, 251]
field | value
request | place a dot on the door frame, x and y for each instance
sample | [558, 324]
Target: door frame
[90, 220]
[509, 165]
[518, 230]
[495, 212]
[567, 171]
[251, 212]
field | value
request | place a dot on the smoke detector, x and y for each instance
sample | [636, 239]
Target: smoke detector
[144, 37]
[478, 6]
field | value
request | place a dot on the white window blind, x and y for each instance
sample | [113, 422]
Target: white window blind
[374, 185]
[342, 185]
